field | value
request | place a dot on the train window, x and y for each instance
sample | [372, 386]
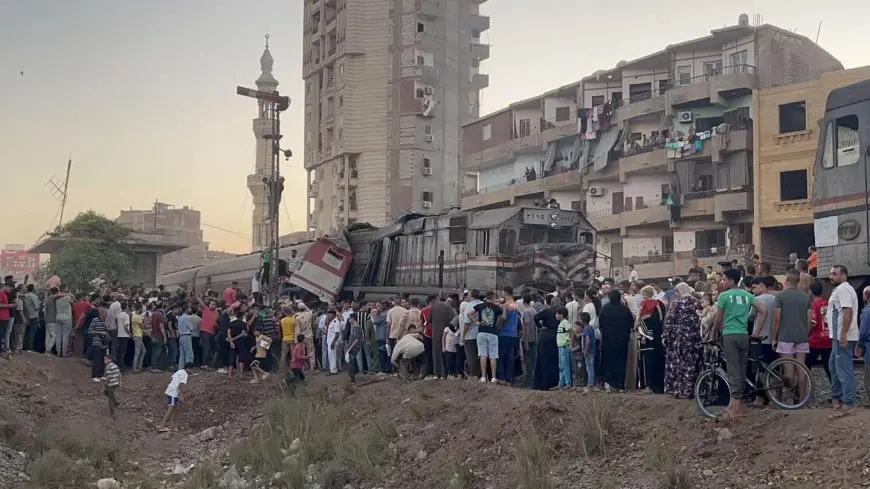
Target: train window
[332, 259]
[458, 230]
[842, 142]
[481, 245]
[507, 241]
[564, 235]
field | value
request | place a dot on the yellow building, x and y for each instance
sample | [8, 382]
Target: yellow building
[786, 137]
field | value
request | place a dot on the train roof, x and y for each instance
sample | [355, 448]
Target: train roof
[850, 94]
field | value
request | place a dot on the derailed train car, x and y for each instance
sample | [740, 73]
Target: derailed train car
[490, 249]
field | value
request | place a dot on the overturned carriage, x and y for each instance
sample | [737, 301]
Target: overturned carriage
[490, 249]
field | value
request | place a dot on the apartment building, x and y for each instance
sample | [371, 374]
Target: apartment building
[786, 130]
[388, 85]
[658, 151]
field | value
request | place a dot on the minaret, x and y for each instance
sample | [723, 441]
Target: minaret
[263, 128]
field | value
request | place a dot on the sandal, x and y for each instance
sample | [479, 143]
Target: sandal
[840, 413]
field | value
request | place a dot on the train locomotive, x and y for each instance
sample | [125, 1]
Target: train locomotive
[841, 184]
[423, 254]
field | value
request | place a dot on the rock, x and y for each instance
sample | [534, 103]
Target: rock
[277, 476]
[421, 454]
[290, 459]
[208, 433]
[180, 469]
[348, 486]
[724, 435]
[294, 446]
[231, 479]
[708, 473]
[108, 484]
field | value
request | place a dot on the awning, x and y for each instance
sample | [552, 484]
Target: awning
[493, 218]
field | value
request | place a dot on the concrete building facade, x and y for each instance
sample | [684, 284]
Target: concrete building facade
[787, 136]
[657, 151]
[388, 85]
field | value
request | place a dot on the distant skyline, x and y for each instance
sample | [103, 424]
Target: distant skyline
[142, 94]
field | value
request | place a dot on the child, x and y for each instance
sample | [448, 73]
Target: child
[300, 358]
[173, 396]
[449, 348]
[590, 350]
[563, 342]
[577, 351]
[647, 305]
[260, 365]
[708, 317]
[113, 382]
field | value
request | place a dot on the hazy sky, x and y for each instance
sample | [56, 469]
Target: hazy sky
[142, 93]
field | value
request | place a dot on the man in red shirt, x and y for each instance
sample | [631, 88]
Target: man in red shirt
[5, 315]
[79, 309]
[207, 331]
[158, 340]
[819, 339]
[426, 316]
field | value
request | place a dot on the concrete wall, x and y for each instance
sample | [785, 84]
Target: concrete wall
[640, 247]
[788, 58]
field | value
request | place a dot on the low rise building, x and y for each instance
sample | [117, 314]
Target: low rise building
[787, 134]
[657, 151]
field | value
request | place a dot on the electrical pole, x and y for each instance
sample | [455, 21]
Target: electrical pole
[65, 188]
[274, 105]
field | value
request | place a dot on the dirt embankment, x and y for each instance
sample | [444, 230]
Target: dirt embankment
[389, 434]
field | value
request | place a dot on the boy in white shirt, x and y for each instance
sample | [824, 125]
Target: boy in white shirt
[173, 396]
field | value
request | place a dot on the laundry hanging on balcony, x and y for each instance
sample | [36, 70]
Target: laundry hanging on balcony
[602, 151]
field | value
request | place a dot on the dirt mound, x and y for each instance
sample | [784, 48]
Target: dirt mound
[390, 434]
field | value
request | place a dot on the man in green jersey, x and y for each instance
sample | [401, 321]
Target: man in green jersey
[731, 319]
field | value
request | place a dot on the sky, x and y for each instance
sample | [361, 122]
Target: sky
[141, 94]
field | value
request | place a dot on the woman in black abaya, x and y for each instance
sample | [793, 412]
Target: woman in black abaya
[616, 323]
[546, 372]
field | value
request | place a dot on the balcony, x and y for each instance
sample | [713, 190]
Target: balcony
[738, 139]
[694, 206]
[342, 180]
[479, 51]
[735, 201]
[673, 264]
[641, 104]
[313, 189]
[643, 159]
[479, 23]
[713, 88]
[508, 192]
[479, 81]
[508, 151]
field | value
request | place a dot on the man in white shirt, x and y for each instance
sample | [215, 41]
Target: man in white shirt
[112, 324]
[573, 308]
[632, 274]
[124, 333]
[333, 334]
[255, 288]
[395, 322]
[842, 317]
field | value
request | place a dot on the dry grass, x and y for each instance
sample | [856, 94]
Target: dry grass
[203, 476]
[53, 469]
[596, 421]
[533, 461]
[365, 452]
[64, 459]
[658, 453]
[677, 477]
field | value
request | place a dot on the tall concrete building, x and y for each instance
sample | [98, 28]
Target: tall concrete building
[658, 151]
[388, 86]
[264, 130]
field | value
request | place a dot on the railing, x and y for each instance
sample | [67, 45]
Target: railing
[656, 257]
[636, 149]
[609, 212]
[706, 77]
[526, 179]
[546, 125]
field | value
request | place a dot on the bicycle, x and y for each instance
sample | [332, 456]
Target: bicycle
[712, 388]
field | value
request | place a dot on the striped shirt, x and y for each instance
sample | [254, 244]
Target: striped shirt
[113, 375]
[269, 327]
[97, 330]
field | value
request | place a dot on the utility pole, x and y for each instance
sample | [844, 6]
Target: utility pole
[275, 104]
[65, 188]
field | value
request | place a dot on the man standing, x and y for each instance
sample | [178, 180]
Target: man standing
[508, 339]
[50, 315]
[530, 338]
[112, 324]
[442, 314]
[63, 321]
[185, 339]
[395, 322]
[632, 274]
[304, 327]
[333, 334]
[843, 319]
[732, 316]
[469, 332]
[31, 313]
[489, 316]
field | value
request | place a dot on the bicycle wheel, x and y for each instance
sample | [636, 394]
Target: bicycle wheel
[788, 390]
[712, 393]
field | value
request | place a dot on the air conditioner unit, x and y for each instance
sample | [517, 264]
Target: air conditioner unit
[430, 91]
[475, 33]
[430, 138]
[475, 62]
[597, 191]
[427, 204]
[427, 171]
[684, 116]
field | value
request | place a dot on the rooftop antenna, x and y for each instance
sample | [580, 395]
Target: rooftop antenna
[818, 32]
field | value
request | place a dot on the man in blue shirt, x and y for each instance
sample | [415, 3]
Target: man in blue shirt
[863, 348]
[508, 339]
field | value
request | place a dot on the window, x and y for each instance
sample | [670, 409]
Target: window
[616, 97]
[684, 75]
[666, 191]
[507, 241]
[792, 185]
[421, 27]
[713, 68]
[525, 127]
[793, 117]
[842, 142]
[639, 91]
[481, 245]
[667, 245]
[427, 128]
[739, 60]
[487, 132]
[427, 163]
[628, 206]
[475, 33]
[341, 69]
[419, 93]
[638, 202]
[332, 259]
[597, 100]
[561, 235]
[663, 86]
[578, 205]
[563, 113]
[421, 60]
[458, 229]
[427, 196]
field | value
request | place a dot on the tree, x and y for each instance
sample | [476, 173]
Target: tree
[95, 245]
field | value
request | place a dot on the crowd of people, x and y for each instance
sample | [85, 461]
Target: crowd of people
[611, 336]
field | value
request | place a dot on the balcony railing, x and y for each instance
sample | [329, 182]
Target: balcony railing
[706, 77]
[639, 147]
[526, 178]
[657, 257]
[641, 96]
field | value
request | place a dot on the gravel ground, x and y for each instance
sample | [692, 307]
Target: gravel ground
[822, 386]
